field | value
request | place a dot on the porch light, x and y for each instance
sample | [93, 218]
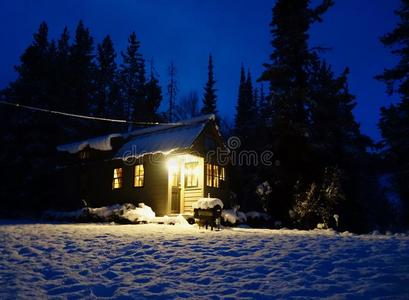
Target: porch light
[173, 165]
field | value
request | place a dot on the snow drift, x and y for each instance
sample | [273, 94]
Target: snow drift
[126, 213]
[234, 216]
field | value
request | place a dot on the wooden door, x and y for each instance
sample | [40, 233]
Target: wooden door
[175, 196]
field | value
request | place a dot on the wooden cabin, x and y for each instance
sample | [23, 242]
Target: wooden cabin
[167, 167]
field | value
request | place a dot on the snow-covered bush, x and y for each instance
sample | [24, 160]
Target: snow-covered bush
[126, 213]
[142, 213]
[233, 216]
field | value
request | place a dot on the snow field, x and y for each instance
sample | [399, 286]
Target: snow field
[160, 261]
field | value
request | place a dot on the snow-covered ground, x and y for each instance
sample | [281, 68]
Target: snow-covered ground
[163, 261]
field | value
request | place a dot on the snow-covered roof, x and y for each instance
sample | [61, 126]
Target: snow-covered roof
[188, 122]
[163, 141]
[159, 138]
[102, 143]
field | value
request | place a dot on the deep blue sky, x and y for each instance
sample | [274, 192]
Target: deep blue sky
[234, 31]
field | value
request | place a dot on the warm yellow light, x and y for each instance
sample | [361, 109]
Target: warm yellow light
[197, 170]
[173, 165]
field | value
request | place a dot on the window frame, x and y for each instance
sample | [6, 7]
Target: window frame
[139, 176]
[118, 178]
[191, 174]
[215, 174]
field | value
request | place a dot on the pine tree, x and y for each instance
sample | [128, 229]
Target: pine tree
[246, 109]
[242, 105]
[264, 109]
[334, 129]
[82, 70]
[62, 73]
[29, 140]
[172, 91]
[132, 74]
[394, 122]
[153, 95]
[106, 76]
[287, 75]
[337, 142]
[210, 98]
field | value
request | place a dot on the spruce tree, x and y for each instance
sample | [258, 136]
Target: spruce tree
[153, 95]
[394, 122]
[246, 110]
[29, 140]
[242, 105]
[287, 75]
[132, 76]
[62, 72]
[172, 91]
[106, 75]
[210, 98]
[82, 70]
[337, 143]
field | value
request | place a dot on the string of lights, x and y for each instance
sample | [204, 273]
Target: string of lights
[61, 113]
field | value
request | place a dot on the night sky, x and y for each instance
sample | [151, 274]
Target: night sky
[234, 31]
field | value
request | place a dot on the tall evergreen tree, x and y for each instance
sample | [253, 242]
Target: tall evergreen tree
[153, 95]
[394, 122]
[172, 91]
[62, 73]
[287, 75]
[264, 109]
[82, 70]
[29, 139]
[246, 109]
[338, 144]
[132, 74]
[106, 76]
[210, 98]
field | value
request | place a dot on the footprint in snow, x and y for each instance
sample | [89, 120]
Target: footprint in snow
[110, 275]
[157, 288]
[100, 290]
[26, 251]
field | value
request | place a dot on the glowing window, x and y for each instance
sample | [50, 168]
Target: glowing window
[191, 174]
[118, 178]
[209, 172]
[139, 176]
[214, 175]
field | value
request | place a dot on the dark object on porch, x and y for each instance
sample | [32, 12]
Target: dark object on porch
[208, 217]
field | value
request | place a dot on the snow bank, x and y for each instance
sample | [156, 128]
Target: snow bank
[206, 203]
[234, 216]
[149, 261]
[178, 220]
[142, 213]
[126, 213]
[102, 143]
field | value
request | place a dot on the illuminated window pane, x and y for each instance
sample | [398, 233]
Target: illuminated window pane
[139, 176]
[117, 179]
[221, 173]
[215, 176]
[191, 174]
[209, 175]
